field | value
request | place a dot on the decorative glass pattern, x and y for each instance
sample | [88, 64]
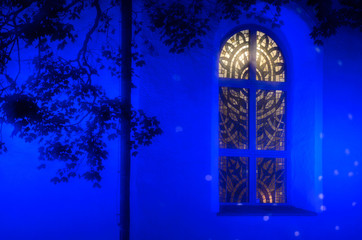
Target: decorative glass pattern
[234, 57]
[269, 60]
[233, 179]
[271, 178]
[269, 127]
[233, 117]
[270, 120]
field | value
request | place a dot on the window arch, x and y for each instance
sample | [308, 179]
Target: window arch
[253, 153]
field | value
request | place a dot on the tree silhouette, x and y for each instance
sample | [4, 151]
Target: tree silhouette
[59, 105]
[181, 25]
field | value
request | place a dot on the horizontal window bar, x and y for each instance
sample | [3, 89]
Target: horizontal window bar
[255, 153]
[242, 83]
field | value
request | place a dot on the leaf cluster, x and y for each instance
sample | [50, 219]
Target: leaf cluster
[58, 105]
[330, 18]
[181, 25]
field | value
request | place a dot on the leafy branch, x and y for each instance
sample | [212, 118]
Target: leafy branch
[58, 105]
[182, 25]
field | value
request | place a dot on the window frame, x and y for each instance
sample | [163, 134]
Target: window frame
[253, 85]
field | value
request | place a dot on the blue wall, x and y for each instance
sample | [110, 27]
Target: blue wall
[173, 197]
[174, 181]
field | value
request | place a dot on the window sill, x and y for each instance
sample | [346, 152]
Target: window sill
[258, 210]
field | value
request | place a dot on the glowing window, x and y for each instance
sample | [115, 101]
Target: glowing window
[252, 120]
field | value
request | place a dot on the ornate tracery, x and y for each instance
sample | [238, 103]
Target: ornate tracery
[267, 110]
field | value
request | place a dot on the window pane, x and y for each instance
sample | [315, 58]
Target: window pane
[270, 120]
[269, 60]
[233, 179]
[233, 117]
[271, 178]
[234, 57]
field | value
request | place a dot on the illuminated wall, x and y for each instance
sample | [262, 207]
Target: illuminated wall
[175, 180]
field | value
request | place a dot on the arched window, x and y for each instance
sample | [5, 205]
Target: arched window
[253, 156]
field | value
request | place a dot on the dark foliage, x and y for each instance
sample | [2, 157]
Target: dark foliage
[59, 106]
[181, 25]
[330, 19]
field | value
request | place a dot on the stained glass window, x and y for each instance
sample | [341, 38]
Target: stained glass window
[270, 180]
[234, 57]
[233, 175]
[233, 117]
[270, 120]
[269, 60]
[252, 120]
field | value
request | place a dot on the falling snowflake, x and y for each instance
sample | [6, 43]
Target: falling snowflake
[179, 129]
[350, 174]
[350, 117]
[208, 177]
[356, 163]
[323, 208]
[317, 49]
[296, 233]
[340, 63]
[347, 151]
[320, 178]
[337, 228]
[321, 196]
[336, 172]
[354, 204]
[266, 218]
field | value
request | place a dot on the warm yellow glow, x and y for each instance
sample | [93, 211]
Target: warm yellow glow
[234, 57]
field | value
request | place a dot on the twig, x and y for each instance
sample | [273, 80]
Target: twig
[83, 50]
[69, 125]
[19, 60]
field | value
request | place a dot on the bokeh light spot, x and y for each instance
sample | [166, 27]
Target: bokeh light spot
[321, 135]
[321, 196]
[179, 129]
[208, 177]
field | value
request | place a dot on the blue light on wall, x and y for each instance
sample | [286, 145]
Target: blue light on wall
[174, 188]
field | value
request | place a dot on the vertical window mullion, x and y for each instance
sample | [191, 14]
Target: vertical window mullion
[252, 117]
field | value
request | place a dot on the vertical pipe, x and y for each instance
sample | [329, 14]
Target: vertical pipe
[126, 79]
